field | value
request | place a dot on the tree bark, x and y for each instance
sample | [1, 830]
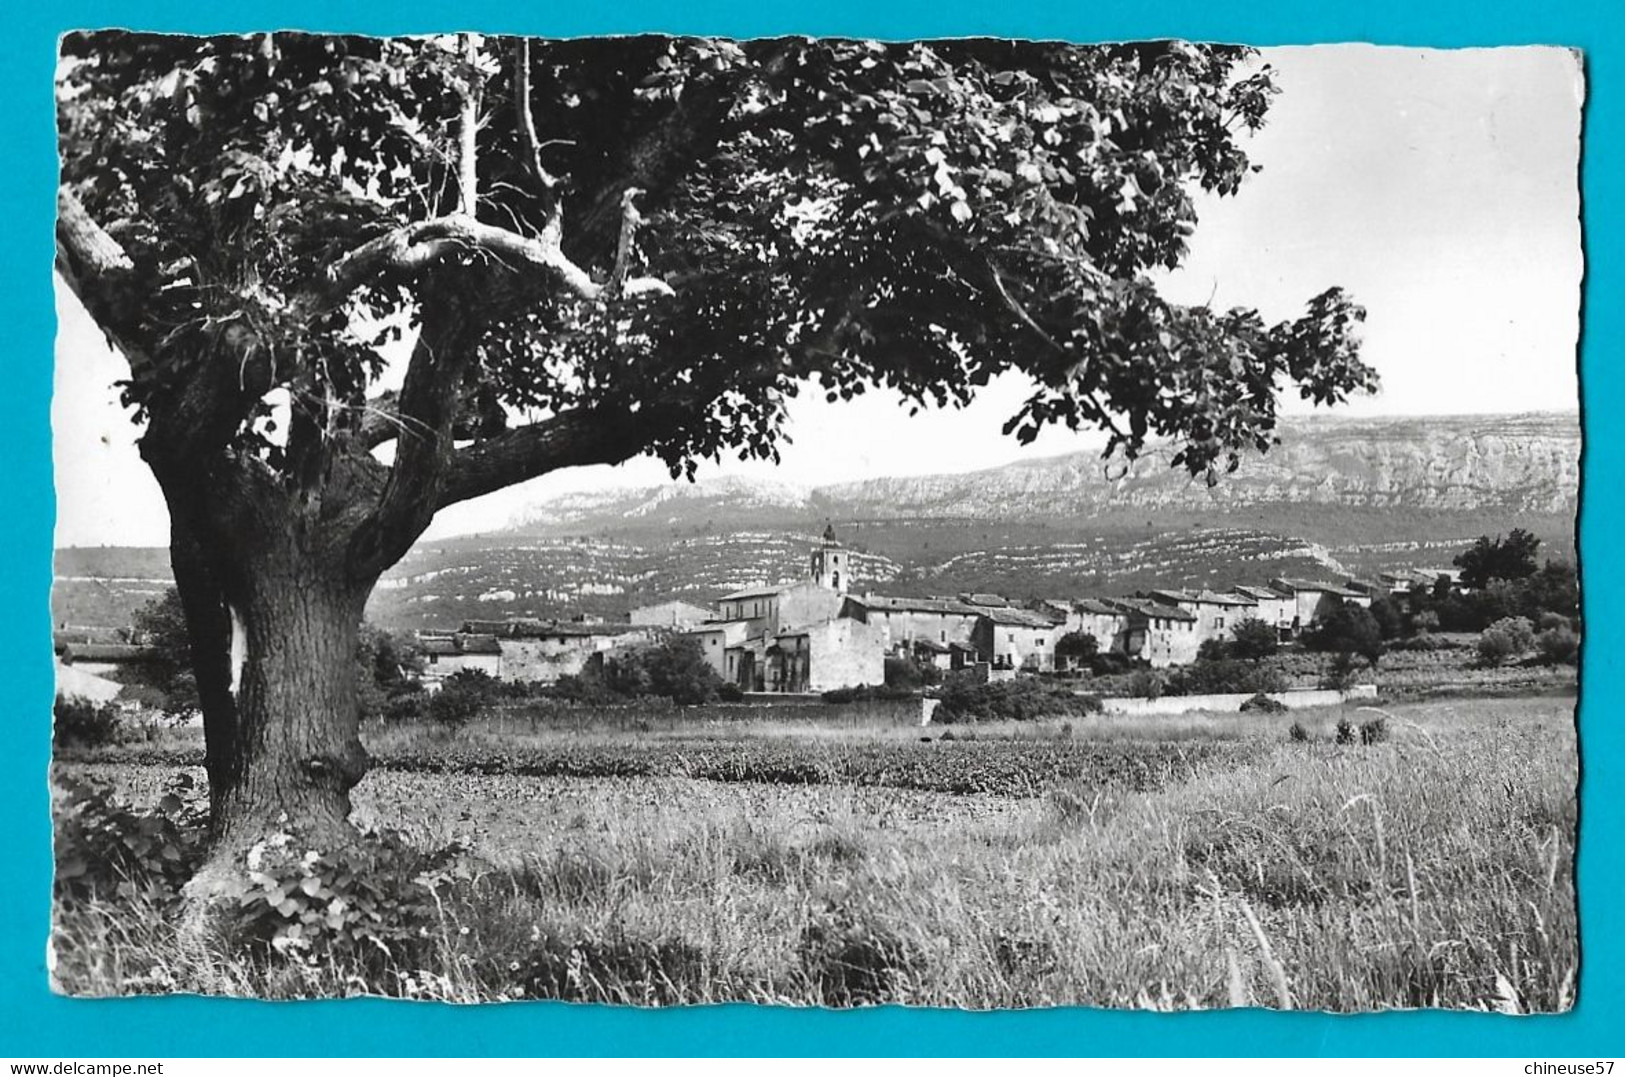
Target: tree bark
[297, 739]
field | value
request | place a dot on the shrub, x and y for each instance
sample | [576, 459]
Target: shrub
[1506, 638]
[1345, 731]
[1550, 620]
[1559, 646]
[965, 699]
[1374, 731]
[1078, 648]
[107, 850]
[84, 722]
[371, 903]
[1339, 672]
[462, 695]
[1348, 628]
[1253, 639]
[675, 668]
[1263, 704]
[730, 693]
[1109, 663]
[863, 693]
[406, 708]
[904, 673]
[1226, 675]
[1212, 650]
[1296, 732]
[1145, 684]
[1421, 643]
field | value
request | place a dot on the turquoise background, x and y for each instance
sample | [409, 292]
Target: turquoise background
[35, 1023]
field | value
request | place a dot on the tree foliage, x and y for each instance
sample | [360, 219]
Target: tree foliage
[358, 280]
[1509, 558]
[1253, 639]
[1077, 646]
[1349, 629]
[921, 216]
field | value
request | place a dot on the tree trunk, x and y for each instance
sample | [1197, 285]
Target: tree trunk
[298, 749]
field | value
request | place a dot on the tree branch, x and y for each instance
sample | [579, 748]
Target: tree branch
[468, 131]
[571, 438]
[530, 150]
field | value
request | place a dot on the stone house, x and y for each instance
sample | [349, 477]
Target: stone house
[1314, 599]
[715, 638]
[1216, 612]
[544, 651]
[832, 654]
[673, 614]
[905, 622]
[104, 659]
[1016, 639]
[1273, 607]
[444, 655]
[1158, 634]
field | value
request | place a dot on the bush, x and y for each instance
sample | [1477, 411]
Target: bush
[863, 693]
[1339, 674]
[1110, 663]
[1506, 638]
[730, 693]
[406, 708]
[107, 850]
[1253, 639]
[1145, 684]
[905, 673]
[1421, 643]
[1345, 732]
[1559, 646]
[1263, 704]
[371, 904]
[1349, 629]
[1079, 648]
[1374, 731]
[675, 669]
[1297, 733]
[1212, 650]
[462, 696]
[964, 699]
[1224, 676]
[85, 723]
[1549, 620]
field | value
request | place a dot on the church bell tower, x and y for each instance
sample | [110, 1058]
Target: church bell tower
[829, 563]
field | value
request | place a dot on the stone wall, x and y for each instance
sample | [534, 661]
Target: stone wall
[1232, 701]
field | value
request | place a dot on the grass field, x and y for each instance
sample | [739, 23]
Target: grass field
[1205, 860]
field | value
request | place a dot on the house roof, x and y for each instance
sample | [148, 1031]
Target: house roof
[1170, 595]
[1095, 605]
[984, 599]
[1009, 615]
[1219, 598]
[459, 644]
[1147, 607]
[1258, 592]
[762, 591]
[108, 652]
[932, 645]
[915, 605]
[530, 628]
[716, 626]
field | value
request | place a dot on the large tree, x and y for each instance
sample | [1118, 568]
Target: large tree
[603, 248]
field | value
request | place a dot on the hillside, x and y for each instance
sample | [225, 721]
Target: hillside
[1337, 496]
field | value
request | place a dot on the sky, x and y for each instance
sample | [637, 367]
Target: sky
[1439, 187]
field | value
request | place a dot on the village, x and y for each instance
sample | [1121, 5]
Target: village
[819, 633]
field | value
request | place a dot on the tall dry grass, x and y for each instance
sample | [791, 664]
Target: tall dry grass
[1433, 869]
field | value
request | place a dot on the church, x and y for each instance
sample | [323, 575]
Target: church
[794, 637]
